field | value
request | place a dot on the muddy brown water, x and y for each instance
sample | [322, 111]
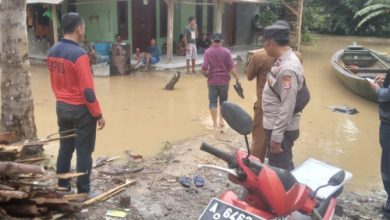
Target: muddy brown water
[142, 117]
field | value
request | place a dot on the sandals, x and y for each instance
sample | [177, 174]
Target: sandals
[187, 181]
[198, 181]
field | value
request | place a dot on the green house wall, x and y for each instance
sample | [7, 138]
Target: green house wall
[101, 19]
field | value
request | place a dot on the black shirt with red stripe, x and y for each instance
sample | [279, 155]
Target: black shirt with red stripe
[71, 76]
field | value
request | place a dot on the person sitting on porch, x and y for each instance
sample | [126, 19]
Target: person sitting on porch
[119, 56]
[152, 55]
[90, 50]
[181, 46]
[203, 44]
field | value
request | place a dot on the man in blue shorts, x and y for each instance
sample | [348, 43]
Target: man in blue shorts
[152, 55]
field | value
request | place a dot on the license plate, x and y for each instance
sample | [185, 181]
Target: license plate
[219, 210]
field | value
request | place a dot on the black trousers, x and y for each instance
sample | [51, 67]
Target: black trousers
[282, 160]
[76, 117]
[384, 137]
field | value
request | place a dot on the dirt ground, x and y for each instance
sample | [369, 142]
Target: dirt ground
[158, 195]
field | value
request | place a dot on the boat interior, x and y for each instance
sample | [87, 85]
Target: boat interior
[363, 62]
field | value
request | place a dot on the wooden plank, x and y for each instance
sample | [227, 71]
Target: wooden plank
[46, 201]
[291, 9]
[5, 187]
[8, 137]
[66, 175]
[108, 193]
[113, 194]
[13, 194]
[21, 209]
[30, 160]
[76, 197]
[171, 84]
[10, 168]
[101, 163]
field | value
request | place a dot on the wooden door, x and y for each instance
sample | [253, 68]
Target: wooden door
[144, 23]
[231, 14]
[123, 20]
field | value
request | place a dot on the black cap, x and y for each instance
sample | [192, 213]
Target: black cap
[217, 37]
[278, 31]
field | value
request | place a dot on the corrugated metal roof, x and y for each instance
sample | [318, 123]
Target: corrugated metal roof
[54, 2]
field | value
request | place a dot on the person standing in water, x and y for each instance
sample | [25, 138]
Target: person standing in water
[77, 106]
[381, 86]
[217, 67]
[190, 36]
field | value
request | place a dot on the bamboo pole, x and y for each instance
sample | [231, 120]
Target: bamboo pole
[299, 24]
[170, 31]
[108, 193]
[292, 10]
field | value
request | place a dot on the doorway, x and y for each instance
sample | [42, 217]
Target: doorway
[143, 22]
[123, 24]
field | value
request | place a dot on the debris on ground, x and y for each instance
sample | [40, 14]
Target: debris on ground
[344, 109]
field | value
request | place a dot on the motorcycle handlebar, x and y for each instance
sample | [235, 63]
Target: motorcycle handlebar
[227, 157]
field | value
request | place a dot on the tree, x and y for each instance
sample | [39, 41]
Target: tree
[373, 9]
[17, 108]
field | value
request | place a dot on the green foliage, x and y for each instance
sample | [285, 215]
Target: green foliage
[372, 10]
[337, 17]
[342, 17]
[270, 13]
[307, 38]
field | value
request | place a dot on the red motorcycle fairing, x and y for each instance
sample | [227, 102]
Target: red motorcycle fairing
[232, 199]
[331, 209]
[273, 191]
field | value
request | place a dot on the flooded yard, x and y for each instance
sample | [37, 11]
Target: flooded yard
[142, 117]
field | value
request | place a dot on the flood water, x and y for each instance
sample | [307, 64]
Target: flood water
[142, 117]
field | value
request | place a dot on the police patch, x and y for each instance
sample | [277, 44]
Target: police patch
[286, 82]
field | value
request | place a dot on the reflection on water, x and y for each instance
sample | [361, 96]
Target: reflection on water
[141, 116]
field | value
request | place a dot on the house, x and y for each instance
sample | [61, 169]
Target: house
[41, 31]
[138, 21]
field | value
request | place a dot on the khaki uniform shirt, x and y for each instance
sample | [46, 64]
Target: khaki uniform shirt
[284, 79]
[258, 67]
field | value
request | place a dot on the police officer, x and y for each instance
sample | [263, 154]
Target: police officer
[381, 86]
[285, 78]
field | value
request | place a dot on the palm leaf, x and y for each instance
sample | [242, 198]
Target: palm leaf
[372, 2]
[371, 9]
[370, 16]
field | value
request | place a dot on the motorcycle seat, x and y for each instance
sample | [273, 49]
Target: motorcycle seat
[286, 178]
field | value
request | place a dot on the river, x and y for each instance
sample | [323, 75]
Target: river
[143, 118]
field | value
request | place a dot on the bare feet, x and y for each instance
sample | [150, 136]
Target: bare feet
[221, 124]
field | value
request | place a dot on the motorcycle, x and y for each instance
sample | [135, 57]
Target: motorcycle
[270, 193]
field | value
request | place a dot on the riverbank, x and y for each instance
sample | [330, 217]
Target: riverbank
[158, 195]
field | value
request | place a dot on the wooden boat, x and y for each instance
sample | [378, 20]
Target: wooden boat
[356, 63]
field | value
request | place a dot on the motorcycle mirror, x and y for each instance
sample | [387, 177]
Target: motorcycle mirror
[237, 118]
[337, 178]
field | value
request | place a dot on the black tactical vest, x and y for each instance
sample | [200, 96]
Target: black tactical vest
[385, 106]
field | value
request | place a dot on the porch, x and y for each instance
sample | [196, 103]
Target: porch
[238, 53]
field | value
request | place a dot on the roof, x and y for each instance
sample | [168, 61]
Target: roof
[54, 2]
